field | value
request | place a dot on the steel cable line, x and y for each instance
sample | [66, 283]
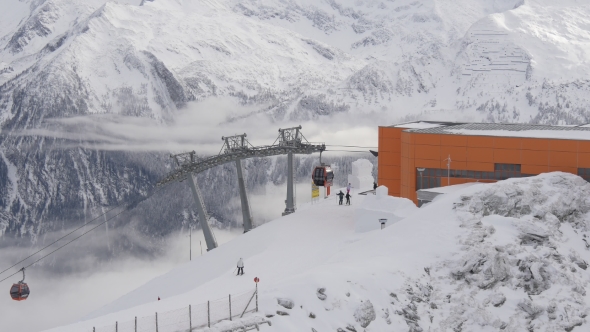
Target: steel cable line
[347, 151]
[74, 239]
[61, 238]
[88, 231]
[355, 146]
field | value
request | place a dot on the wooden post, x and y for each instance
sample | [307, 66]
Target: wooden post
[230, 307]
[135, 323]
[256, 297]
[116, 326]
[93, 329]
[208, 315]
[156, 321]
[190, 318]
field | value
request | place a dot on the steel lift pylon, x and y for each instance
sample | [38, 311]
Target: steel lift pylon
[236, 148]
[210, 240]
[235, 144]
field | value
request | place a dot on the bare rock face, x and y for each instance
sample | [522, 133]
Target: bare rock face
[321, 294]
[286, 303]
[365, 313]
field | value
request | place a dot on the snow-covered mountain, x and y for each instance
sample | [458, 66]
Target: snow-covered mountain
[300, 58]
[509, 256]
[501, 60]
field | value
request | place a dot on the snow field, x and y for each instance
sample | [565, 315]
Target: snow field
[293, 256]
[511, 256]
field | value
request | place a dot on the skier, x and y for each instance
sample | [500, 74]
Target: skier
[374, 185]
[240, 267]
[348, 188]
[341, 195]
[347, 198]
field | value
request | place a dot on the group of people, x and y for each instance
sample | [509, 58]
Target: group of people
[341, 195]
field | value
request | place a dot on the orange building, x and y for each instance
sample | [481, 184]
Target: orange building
[427, 154]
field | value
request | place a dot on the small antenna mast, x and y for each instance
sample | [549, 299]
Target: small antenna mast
[448, 160]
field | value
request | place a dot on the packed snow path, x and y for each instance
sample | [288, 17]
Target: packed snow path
[510, 256]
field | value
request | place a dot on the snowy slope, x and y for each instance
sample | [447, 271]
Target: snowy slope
[508, 256]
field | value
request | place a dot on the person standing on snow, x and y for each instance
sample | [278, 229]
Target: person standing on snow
[348, 188]
[374, 185]
[347, 198]
[240, 267]
[341, 195]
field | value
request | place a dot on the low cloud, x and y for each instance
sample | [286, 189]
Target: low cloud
[200, 127]
[60, 295]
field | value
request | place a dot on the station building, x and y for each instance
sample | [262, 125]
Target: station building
[427, 154]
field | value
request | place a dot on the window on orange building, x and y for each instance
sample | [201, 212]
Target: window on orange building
[584, 173]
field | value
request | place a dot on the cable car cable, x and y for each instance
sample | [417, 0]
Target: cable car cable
[355, 146]
[74, 239]
[346, 151]
[61, 238]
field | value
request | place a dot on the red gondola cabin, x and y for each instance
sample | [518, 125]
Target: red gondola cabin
[323, 176]
[20, 291]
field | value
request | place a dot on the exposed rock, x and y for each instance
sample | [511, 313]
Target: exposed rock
[286, 303]
[365, 313]
[321, 294]
[311, 315]
[351, 328]
[573, 325]
[497, 299]
[282, 313]
[530, 308]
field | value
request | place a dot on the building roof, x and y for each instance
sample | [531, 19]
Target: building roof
[428, 195]
[506, 130]
[423, 124]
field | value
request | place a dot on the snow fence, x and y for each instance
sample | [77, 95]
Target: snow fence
[191, 317]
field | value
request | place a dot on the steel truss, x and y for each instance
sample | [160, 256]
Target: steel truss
[235, 148]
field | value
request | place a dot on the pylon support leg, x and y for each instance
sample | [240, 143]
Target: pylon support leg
[203, 215]
[246, 213]
[290, 201]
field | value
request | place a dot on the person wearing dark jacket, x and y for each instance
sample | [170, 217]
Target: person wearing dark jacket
[341, 195]
[347, 198]
[374, 185]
